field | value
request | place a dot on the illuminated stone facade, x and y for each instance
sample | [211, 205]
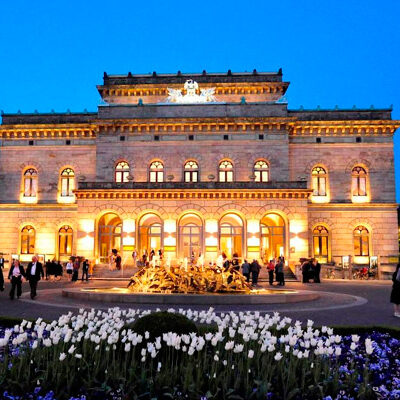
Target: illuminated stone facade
[238, 172]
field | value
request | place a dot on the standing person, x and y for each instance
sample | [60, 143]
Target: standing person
[152, 254]
[246, 270]
[111, 264]
[33, 274]
[317, 270]
[75, 270]
[1, 272]
[225, 262]
[235, 262]
[134, 256]
[59, 270]
[118, 261]
[395, 295]
[85, 270]
[69, 268]
[15, 276]
[144, 258]
[305, 271]
[271, 270]
[280, 273]
[255, 271]
[47, 269]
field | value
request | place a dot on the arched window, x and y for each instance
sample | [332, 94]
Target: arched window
[156, 171]
[122, 172]
[361, 241]
[261, 171]
[318, 181]
[28, 240]
[30, 182]
[358, 181]
[191, 171]
[320, 243]
[65, 241]
[67, 182]
[225, 171]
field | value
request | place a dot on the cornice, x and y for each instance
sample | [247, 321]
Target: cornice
[351, 206]
[131, 194]
[45, 131]
[343, 128]
[237, 88]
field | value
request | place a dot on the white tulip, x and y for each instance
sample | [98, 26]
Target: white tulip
[250, 354]
[78, 356]
[62, 357]
[278, 356]
[71, 349]
[127, 347]
[338, 351]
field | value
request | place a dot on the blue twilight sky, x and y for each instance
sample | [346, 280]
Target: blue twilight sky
[339, 52]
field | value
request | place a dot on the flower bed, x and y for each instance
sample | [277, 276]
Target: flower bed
[247, 356]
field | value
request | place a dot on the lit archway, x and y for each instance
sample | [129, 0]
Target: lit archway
[190, 236]
[272, 236]
[110, 235]
[231, 235]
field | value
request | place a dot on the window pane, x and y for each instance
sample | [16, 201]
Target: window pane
[258, 176]
[221, 176]
[316, 246]
[315, 185]
[194, 176]
[64, 186]
[354, 186]
[357, 249]
[365, 247]
[27, 188]
[363, 187]
[322, 186]
[160, 177]
[229, 177]
[153, 176]
[324, 246]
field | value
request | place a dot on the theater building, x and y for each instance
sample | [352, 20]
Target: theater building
[199, 164]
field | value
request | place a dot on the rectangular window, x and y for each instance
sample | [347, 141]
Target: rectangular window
[258, 176]
[222, 176]
[229, 176]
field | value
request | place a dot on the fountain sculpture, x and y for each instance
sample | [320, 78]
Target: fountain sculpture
[188, 279]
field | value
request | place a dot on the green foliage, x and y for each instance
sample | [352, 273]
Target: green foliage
[162, 322]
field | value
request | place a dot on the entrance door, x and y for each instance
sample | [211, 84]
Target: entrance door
[190, 236]
[231, 235]
[272, 237]
[110, 235]
[150, 234]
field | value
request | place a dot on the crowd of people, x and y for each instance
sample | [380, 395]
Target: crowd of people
[35, 271]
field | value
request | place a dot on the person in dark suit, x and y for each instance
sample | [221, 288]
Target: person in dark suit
[15, 275]
[33, 274]
[1, 272]
[317, 270]
[85, 270]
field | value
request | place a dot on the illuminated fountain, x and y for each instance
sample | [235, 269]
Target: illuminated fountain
[189, 283]
[188, 279]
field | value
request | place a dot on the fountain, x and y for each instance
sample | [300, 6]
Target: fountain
[188, 284]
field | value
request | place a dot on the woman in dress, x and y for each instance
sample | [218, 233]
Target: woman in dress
[395, 295]
[111, 264]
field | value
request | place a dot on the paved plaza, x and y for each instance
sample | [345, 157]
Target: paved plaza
[340, 303]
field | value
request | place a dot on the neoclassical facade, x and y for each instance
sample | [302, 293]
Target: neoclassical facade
[199, 164]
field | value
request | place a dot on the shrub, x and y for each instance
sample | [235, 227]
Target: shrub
[162, 322]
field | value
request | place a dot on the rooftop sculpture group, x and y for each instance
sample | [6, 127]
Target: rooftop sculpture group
[191, 97]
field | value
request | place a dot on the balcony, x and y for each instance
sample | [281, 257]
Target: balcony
[273, 185]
